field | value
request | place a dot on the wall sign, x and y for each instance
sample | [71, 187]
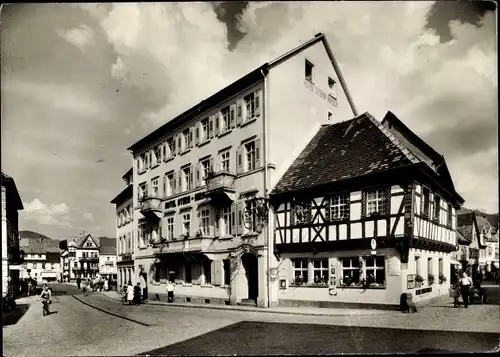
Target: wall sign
[373, 244]
[332, 289]
[283, 284]
[410, 281]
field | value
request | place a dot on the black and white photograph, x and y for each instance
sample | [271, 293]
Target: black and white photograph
[249, 178]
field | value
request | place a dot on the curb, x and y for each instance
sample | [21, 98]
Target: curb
[111, 313]
[263, 310]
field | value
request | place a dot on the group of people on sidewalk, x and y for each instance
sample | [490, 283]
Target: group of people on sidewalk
[134, 295]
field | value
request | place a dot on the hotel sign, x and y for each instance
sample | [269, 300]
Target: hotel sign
[312, 87]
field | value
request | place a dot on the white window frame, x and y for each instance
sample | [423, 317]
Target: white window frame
[186, 224]
[205, 127]
[250, 152]
[302, 269]
[375, 202]
[227, 220]
[205, 221]
[340, 207]
[169, 148]
[250, 105]
[322, 271]
[354, 269]
[169, 184]
[186, 178]
[225, 160]
[225, 123]
[155, 187]
[185, 139]
[205, 169]
[142, 190]
[170, 227]
[311, 77]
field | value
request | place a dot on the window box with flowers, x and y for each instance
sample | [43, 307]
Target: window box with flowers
[430, 279]
[363, 272]
[442, 278]
[310, 273]
[419, 280]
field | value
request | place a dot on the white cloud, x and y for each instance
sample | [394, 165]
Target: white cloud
[55, 214]
[81, 36]
[88, 216]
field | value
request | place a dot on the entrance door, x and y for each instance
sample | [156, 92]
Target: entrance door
[250, 264]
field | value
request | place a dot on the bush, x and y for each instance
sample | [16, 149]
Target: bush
[442, 278]
[418, 278]
[430, 279]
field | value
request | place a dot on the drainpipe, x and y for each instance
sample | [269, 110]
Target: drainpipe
[265, 149]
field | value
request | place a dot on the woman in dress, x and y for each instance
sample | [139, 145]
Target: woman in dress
[130, 293]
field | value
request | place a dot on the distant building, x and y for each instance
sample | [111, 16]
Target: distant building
[472, 227]
[107, 258]
[42, 260]
[124, 241]
[11, 254]
[86, 261]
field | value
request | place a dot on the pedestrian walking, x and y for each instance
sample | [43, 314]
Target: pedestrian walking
[137, 294]
[106, 284]
[130, 293]
[85, 287]
[455, 293]
[465, 284]
[170, 292]
[78, 282]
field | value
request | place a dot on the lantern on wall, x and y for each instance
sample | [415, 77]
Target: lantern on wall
[255, 213]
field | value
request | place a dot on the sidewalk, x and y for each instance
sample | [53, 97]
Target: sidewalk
[308, 311]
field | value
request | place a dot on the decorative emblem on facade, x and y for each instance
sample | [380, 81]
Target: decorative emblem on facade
[255, 214]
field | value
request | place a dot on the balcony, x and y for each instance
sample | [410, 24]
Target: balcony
[220, 186]
[126, 257]
[109, 262]
[89, 259]
[151, 206]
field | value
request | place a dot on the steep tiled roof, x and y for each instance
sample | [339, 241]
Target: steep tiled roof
[465, 219]
[342, 151]
[108, 245]
[482, 223]
[461, 238]
[465, 232]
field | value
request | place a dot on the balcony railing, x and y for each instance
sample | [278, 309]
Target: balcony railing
[220, 184]
[126, 257]
[150, 204]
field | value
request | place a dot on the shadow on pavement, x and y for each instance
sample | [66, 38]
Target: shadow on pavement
[12, 317]
[259, 338]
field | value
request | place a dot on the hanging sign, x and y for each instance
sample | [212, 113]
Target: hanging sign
[332, 289]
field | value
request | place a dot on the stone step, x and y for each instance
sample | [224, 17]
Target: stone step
[247, 302]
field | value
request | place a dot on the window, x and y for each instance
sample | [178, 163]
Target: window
[331, 86]
[170, 228]
[441, 266]
[225, 160]
[169, 184]
[250, 156]
[186, 224]
[330, 116]
[207, 270]
[437, 207]
[340, 207]
[227, 271]
[205, 222]
[205, 169]
[186, 139]
[142, 190]
[426, 202]
[186, 178]
[300, 271]
[155, 187]
[450, 217]
[170, 148]
[429, 266]
[309, 67]
[375, 202]
[417, 266]
[363, 271]
[225, 125]
[204, 130]
[43, 265]
[320, 271]
[156, 156]
[251, 105]
[302, 212]
[228, 222]
[34, 265]
[143, 233]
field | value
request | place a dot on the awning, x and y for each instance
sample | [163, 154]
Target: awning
[454, 262]
[210, 256]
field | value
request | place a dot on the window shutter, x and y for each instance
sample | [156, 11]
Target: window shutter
[179, 180]
[211, 127]
[257, 103]
[239, 215]
[327, 208]
[232, 116]
[191, 173]
[217, 119]
[164, 185]
[191, 135]
[217, 269]
[239, 158]
[217, 222]
[239, 111]
[233, 218]
[198, 174]
[257, 153]
[165, 151]
[197, 134]
[211, 164]
[174, 146]
[174, 184]
[138, 165]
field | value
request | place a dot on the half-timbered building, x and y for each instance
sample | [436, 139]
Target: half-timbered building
[365, 213]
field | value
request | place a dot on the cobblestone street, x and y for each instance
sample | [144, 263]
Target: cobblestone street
[118, 329]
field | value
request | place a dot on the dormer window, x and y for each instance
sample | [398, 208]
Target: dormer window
[309, 69]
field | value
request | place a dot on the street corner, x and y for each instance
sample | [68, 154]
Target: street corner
[13, 316]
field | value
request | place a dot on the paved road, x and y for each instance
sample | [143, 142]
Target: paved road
[110, 328]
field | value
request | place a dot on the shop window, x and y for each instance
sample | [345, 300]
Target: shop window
[300, 271]
[366, 272]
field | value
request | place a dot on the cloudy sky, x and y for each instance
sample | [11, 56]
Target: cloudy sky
[81, 83]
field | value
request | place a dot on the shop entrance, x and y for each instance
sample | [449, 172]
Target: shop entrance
[250, 264]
